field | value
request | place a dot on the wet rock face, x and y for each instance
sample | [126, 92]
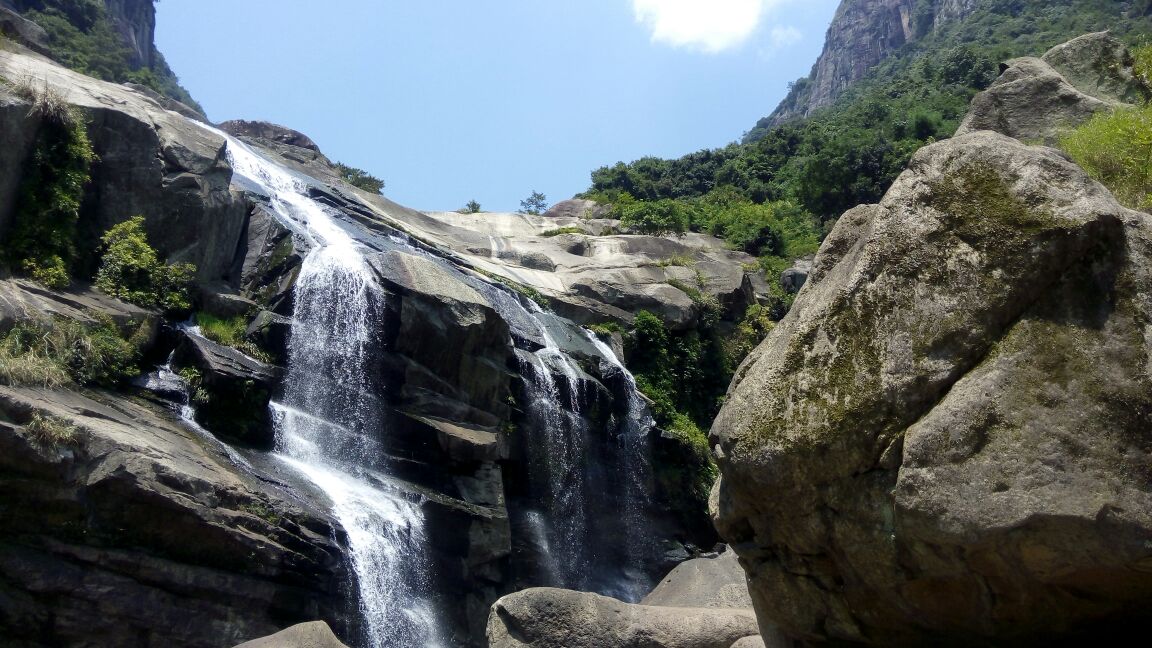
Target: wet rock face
[131, 530]
[235, 389]
[943, 441]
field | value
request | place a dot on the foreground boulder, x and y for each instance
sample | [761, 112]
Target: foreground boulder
[315, 634]
[555, 618]
[703, 583]
[946, 440]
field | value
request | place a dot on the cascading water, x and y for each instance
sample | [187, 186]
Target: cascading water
[558, 461]
[569, 467]
[327, 422]
[634, 467]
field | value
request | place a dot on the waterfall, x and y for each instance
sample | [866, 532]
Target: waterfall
[328, 422]
[633, 466]
[558, 458]
[587, 486]
[570, 473]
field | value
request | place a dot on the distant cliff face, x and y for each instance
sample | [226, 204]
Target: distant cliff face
[862, 34]
[135, 20]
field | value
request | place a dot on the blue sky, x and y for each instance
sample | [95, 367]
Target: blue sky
[450, 100]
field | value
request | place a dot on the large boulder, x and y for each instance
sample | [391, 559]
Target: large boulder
[554, 618]
[703, 583]
[270, 132]
[23, 31]
[1037, 99]
[1030, 101]
[450, 348]
[1099, 65]
[945, 442]
[22, 300]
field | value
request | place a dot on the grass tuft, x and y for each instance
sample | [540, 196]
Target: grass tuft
[230, 332]
[50, 430]
[48, 104]
[1116, 149]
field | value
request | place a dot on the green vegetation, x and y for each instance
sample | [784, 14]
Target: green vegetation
[849, 153]
[230, 332]
[195, 381]
[536, 203]
[605, 329]
[23, 363]
[757, 323]
[563, 230]
[82, 37]
[1142, 64]
[678, 260]
[42, 239]
[130, 270]
[55, 353]
[360, 178]
[472, 207]
[1116, 149]
[263, 511]
[685, 375]
[50, 430]
[658, 218]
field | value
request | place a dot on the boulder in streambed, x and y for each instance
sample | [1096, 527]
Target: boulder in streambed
[555, 618]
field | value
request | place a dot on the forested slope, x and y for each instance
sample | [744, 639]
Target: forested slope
[849, 153]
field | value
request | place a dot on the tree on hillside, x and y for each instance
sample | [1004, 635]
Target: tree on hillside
[472, 207]
[360, 178]
[534, 204]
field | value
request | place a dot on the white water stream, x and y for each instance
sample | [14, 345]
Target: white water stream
[634, 457]
[328, 420]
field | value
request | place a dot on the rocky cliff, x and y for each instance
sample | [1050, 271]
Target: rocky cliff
[945, 442]
[460, 351]
[111, 39]
[135, 21]
[862, 34]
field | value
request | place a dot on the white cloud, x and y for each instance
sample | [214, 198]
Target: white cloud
[708, 25]
[785, 36]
